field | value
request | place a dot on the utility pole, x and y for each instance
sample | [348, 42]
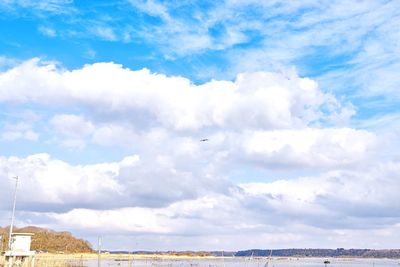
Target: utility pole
[13, 213]
[99, 248]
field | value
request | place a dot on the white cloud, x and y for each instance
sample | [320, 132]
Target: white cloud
[46, 6]
[47, 31]
[181, 35]
[72, 129]
[58, 182]
[13, 135]
[262, 118]
[365, 192]
[256, 100]
[179, 188]
[152, 8]
[22, 130]
[104, 32]
[130, 182]
[175, 185]
[114, 134]
[340, 205]
[365, 195]
[351, 47]
[309, 147]
[71, 125]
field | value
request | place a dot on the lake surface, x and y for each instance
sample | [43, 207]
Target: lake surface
[243, 262]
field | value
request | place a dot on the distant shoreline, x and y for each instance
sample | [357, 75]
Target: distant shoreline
[125, 256]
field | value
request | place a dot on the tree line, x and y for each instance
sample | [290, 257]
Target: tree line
[45, 240]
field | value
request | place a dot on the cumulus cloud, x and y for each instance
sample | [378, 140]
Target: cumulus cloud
[171, 190]
[58, 182]
[257, 100]
[338, 198]
[268, 119]
[172, 185]
[22, 130]
[347, 194]
[73, 127]
[309, 147]
[130, 182]
[339, 205]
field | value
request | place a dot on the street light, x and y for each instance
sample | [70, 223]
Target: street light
[13, 213]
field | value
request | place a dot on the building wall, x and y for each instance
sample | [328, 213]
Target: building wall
[21, 243]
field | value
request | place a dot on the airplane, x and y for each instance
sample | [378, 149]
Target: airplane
[204, 140]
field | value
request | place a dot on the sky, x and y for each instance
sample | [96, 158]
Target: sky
[103, 105]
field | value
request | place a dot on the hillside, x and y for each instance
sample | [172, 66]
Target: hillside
[49, 240]
[340, 252]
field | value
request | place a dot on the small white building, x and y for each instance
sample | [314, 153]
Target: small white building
[20, 252]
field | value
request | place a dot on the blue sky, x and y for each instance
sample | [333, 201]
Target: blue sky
[102, 106]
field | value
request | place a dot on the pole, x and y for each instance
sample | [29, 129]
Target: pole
[13, 213]
[99, 255]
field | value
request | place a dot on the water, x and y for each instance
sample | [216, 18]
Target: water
[245, 262]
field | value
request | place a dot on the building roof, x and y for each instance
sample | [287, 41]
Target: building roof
[22, 234]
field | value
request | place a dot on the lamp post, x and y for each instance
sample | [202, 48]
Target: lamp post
[13, 213]
[99, 241]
